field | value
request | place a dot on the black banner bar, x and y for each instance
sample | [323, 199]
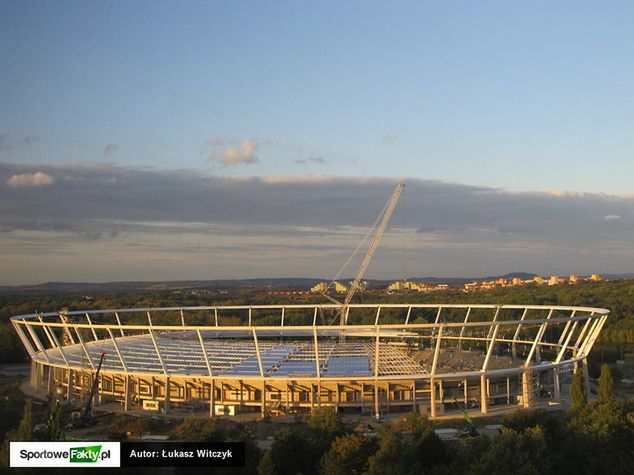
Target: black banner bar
[182, 454]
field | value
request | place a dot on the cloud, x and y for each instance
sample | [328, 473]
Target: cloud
[31, 138]
[216, 142]
[6, 143]
[232, 156]
[30, 179]
[111, 148]
[185, 218]
[388, 138]
[302, 161]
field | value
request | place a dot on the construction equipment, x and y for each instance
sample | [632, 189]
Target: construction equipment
[471, 430]
[84, 419]
[384, 218]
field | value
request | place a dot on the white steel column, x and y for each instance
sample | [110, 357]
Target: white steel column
[317, 368]
[517, 334]
[434, 365]
[376, 376]
[116, 347]
[466, 319]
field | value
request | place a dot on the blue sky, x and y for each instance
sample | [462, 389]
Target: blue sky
[510, 96]
[523, 95]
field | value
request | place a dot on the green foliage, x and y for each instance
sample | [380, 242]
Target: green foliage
[54, 430]
[606, 386]
[412, 422]
[514, 452]
[121, 425]
[578, 390]
[25, 428]
[296, 449]
[199, 430]
[410, 446]
[348, 454]
[11, 407]
[387, 459]
[253, 453]
[267, 466]
[327, 420]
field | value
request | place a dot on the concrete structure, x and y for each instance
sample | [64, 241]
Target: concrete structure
[290, 358]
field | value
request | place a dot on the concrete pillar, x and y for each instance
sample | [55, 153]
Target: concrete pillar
[556, 385]
[362, 398]
[484, 403]
[586, 377]
[527, 388]
[126, 393]
[414, 408]
[51, 378]
[167, 395]
[212, 398]
[33, 378]
[377, 413]
[387, 397]
[263, 398]
[432, 395]
[70, 384]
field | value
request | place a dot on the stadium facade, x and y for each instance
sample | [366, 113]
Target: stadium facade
[282, 359]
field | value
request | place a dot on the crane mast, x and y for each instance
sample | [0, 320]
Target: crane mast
[389, 209]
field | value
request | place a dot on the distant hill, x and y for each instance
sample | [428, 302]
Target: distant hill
[281, 282]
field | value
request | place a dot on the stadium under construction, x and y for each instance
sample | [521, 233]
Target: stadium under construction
[287, 359]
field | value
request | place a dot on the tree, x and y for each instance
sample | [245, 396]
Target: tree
[515, 452]
[348, 454]
[578, 391]
[389, 457]
[326, 420]
[267, 466]
[200, 430]
[606, 386]
[296, 449]
[54, 426]
[25, 429]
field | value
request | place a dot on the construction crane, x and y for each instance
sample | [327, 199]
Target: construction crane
[384, 219]
[84, 419]
[471, 430]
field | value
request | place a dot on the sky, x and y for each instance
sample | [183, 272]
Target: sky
[207, 140]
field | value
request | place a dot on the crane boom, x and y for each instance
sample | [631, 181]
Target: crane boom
[389, 209]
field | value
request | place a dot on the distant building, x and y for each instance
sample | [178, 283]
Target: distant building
[401, 285]
[595, 277]
[573, 279]
[517, 281]
[539, 280]
[554, 280]
[323, 286]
